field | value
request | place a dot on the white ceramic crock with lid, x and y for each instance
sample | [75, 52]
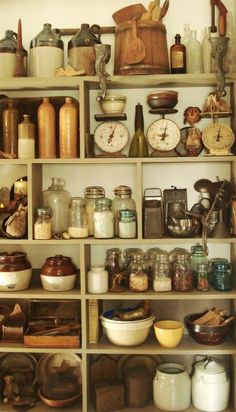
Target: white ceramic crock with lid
[171, 387]
[210, 385]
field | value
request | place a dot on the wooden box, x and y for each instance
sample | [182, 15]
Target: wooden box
[53, 324]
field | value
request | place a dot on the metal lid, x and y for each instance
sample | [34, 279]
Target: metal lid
[122, 190]
[93, 192]
[45, 212]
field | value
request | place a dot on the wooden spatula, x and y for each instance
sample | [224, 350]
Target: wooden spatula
[134, 50]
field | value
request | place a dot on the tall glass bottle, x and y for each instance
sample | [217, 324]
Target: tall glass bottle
[58, 199]
[186, 34]
[207, 59]
[10, 120]
[230, 58]
[139, 145]
[194, 54]
[68, 130]
[178, 56]
[46, 129]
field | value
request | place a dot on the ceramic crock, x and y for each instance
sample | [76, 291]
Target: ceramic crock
[171, 387]
[58, 273]
[15, 271]
[210, 386]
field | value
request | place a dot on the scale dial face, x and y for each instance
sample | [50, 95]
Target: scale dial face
[218, 137]
[163, 135]
[111, 137]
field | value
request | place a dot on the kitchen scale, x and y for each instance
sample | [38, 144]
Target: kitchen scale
[163, 134]
[111, 135]
[218, 137]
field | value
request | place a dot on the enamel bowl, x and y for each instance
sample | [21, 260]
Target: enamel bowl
[113, 104]
[162, 99]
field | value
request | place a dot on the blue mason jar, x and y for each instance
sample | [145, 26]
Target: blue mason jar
[222, 276]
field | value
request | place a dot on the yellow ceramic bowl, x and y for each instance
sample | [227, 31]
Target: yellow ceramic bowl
[169, 332]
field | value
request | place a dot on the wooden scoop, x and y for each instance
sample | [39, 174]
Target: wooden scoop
[135, 50]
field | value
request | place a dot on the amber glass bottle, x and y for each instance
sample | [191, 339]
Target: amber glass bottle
[178, 56]
[46, 130]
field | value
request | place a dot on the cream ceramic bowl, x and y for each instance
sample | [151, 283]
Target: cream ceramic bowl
[14, 281]
[113, 104]
[58, 283]
[169, 332]
[127, 333]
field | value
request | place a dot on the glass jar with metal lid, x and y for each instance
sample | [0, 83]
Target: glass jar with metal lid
[202, 277]
[92, 193]
[122, 201]
[115, 267]
[43, 223]
[127, 224]
[182, 274]
[103, 219]
[138, 276]
[222, 276]
[77, 218]
[197, 257]
[128, 256]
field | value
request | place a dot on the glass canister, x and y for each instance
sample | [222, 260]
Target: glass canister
[92, 193]
[103, 219]
[171, 387]
[43, 223]
[161, 277]
[212, 264]
[26, 138]
[46, 53]
[122, 201]
[197, 256]
[127, 224]
[58, 199]
[138, 276]
[114, 266]
[182, 274]
[128, 256]
[77, 218]
[222, 276]
[97, 279]
[7, 54]
[81, 53]
[202, 277]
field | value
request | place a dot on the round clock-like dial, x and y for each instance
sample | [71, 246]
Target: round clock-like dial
[111, 137]
[218, 136]
[163, 135]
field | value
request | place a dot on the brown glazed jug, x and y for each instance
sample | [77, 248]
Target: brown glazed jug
[58, 265]
[46, 130]
[10, 130]
[68, 129]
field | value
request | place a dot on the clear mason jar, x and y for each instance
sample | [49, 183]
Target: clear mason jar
[202, 277]
[138, 276]
[127, 224]
[77, 218]
[92, 193]
[122, 201]
[43, 223]
[103, 219]
[197, 257]
[182, 274]
[161, 277]
[115, 267]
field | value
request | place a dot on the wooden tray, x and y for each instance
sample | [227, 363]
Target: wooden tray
[71, 340]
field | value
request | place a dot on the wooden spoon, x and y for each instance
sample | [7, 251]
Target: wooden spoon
[135, 50]
[164, 9]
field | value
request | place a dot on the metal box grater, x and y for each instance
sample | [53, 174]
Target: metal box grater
[153, 223]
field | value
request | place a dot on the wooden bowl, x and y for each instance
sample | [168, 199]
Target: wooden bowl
[57, 403]
[206, 334]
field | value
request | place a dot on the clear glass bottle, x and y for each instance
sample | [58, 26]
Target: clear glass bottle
[46, 53]
[43, 223]
[182, 274]
[186, 34]
[122, 201]
[230, 58]
[138, 276]
[115, 267]
[103, 219]
[222, 276]
[77, 218]
[58, 199]
[26, 138]
[178, 56]
[92, 193]
[97, 279]
[194, 54]
[207, 59]
[127, 224]
[202, 277]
